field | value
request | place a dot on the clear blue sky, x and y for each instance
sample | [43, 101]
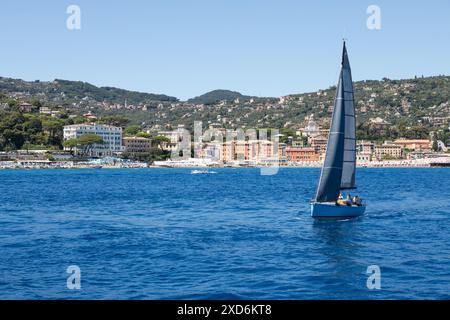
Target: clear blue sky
[187, 47]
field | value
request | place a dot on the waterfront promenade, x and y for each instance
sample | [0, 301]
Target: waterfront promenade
[45, 164]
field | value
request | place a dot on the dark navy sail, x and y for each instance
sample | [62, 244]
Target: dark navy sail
[338, 168]
[349, 162]
[331, 175]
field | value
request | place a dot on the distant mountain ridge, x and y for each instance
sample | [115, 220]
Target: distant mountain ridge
[219, 95]
[406, 103]
[63, 91]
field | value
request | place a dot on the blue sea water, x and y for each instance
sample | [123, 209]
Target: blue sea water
[236, 234]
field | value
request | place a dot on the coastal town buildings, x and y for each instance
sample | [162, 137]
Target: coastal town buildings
[319, 143]
[414, 144]
[175, 136]
[228, 151]
[302, 154]
[365, 147]
[246, 151]
[112, 138]
[26, 107]
[211, 150]
[137, 145]
[312, 129]
[388, 150]
[282, 155]
[49, 111]
[90, 116]
[251, 150]
[363, 157]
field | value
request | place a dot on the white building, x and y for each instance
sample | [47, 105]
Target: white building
[112, 138]
[48, 111]
[175, 136]
[312, 129]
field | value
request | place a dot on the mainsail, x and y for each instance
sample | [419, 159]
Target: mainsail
[349, 162]
[338, 171]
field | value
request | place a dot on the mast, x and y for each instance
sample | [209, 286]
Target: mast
[339, 164]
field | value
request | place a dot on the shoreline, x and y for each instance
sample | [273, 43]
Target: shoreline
[18, 167]
[439, 162]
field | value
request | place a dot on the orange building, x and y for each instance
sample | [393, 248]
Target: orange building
[414, 144]
[228, 151]
[253, 150]
[299, 154]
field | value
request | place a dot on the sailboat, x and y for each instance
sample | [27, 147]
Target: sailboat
[338, 171]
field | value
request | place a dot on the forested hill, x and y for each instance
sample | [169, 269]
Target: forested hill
[216, 96]
[66, 92]
[420, 101]
[386, 109]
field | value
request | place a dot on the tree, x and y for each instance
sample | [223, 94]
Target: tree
[54, 129]
[27, 146]
[143, 135]
[160, 141]
[87, 141]
[116, 120]
[71, 144]
[154, 154]
[435, 145]
[12, 103]
[14, 139]
[132, 130]
[36, 102]
[84, 143]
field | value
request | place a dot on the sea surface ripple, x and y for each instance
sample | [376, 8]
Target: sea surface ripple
[236, 234]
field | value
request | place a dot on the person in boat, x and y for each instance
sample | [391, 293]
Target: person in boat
[348, 200]
[340, 200]
[356, 201]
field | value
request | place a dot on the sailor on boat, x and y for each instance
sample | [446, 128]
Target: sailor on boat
[340, 200]
[349, 200]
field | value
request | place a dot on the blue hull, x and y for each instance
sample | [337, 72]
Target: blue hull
[330, 210]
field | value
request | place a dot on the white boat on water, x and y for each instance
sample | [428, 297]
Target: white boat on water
[199, 171]
[202, 172]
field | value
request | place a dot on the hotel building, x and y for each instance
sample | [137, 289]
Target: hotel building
[112, 138]
[136, 145]
[388, 149]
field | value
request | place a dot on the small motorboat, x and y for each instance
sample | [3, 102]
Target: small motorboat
[200, 172]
